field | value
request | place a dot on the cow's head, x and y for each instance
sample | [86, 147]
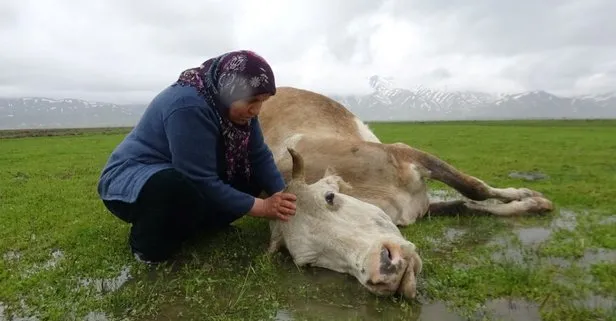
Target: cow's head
[335, 231]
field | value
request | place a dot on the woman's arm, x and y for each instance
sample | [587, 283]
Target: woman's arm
[193, 138]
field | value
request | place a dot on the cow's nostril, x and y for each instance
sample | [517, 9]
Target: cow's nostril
[387, 265]
[385, 254]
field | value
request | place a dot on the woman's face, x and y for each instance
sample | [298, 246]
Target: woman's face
[241, 111]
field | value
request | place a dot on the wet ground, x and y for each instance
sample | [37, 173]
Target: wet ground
[528, 176]
[518, 246]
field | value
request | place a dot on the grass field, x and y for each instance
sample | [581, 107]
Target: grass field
[65, 258]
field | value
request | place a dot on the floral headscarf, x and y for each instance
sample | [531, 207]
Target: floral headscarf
[221, 81]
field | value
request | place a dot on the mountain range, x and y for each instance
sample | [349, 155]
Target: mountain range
[389, 103]
[385, 103]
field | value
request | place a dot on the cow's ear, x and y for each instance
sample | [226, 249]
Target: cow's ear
[339, 184]
[330, 171]
[344, 187]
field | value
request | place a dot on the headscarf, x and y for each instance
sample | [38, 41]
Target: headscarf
[221, 81]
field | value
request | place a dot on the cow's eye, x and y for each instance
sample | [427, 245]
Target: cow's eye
[329, 198]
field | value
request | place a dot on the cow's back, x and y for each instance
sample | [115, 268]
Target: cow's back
[296, 111]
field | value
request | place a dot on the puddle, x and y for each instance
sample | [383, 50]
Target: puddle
[510, 252]
[608, 220]
[56, 257]
[449, 236]
[92, 316]
[512, 310]
[507, 251]
[96, 316]
[567, 220]
[5, 317]
[441, 195]
[324, 311]
[533, 236]
[528, 176]
[596, 302]
[327, 295]
[11, 256]
[103, 286]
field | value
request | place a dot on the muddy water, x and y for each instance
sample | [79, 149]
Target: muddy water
[334, 296]
[350, 304]
[316, 311]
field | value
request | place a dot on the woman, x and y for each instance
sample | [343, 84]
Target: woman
[197, 159]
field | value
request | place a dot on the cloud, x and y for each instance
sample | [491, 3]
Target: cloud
[126, 51]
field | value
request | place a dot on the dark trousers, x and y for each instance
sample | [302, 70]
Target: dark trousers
[169, 210]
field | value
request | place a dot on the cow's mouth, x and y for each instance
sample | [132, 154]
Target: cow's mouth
[408, 283]
[400, 289]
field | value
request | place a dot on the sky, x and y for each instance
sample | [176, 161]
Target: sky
[127, 51]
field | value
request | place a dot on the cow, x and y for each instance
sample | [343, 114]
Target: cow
[354, 192]
[390, 176]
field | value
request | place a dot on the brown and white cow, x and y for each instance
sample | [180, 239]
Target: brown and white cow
[353, 190]
[390, 176]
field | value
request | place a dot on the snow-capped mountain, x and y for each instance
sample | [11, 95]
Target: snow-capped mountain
[37, 112]
[386, 102]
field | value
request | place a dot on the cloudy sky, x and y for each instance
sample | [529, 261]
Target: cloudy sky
[126, 51]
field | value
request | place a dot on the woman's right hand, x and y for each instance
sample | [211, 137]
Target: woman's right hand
[278, 206]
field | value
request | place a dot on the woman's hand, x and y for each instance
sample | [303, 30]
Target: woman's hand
[278, 206]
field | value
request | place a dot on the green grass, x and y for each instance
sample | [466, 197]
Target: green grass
[48, 203]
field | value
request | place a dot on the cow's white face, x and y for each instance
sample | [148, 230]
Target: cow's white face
[338, 232]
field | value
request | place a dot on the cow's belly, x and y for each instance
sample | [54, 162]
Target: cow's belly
[402, 207]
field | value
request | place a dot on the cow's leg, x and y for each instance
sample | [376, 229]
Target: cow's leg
[530, 205]
[467, 185]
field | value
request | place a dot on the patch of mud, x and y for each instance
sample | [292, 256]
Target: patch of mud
[528, 176]
[103, 286]
[511, 309]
